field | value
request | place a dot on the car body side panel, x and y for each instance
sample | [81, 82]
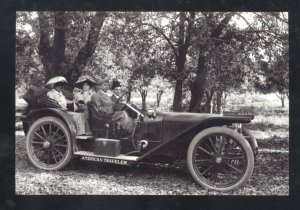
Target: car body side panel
[176, 125]
[154, 128]
[153, 131]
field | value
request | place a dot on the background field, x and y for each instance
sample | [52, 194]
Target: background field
[270, 177]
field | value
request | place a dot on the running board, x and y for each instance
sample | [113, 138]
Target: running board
[120, 159]
[84, 137]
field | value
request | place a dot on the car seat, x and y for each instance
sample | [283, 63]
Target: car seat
[101, 124]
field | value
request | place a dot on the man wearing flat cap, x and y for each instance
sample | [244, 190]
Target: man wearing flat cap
[101, 100]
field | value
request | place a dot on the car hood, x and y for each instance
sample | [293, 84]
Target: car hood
[177, 123]
[184, 116]
[198, 117]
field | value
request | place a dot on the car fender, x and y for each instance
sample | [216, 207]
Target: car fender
[33, 115]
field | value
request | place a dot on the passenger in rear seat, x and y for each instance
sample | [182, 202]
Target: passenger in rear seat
[86, 85]
[56, 84]
[55, 93]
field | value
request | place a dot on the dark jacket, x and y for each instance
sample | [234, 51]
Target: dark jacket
[114, 98]
[103, 102]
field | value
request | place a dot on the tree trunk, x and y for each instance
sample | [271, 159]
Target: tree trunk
[184, 34]
[214, 104]
[90, 46]
[281, 96]
[158, 97]
[207, 106]
[282, 101]
[224, 101]
[219, 101]
[197, 87]
[179, 62]
[211, 101]
[177, 101]
[144, 96]
[45, 49]
[129, 97]
[59, 44]
[129, 90]
[53, 57]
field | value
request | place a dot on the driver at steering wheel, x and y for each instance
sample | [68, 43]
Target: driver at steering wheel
[101, 100]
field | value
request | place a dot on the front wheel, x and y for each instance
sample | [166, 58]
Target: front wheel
[48, 144]
[220, 159]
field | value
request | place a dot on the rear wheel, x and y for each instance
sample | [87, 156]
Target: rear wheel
[220, 159]
[48, 144]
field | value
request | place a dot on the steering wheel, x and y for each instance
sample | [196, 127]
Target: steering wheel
[120, 105]
[126, 93]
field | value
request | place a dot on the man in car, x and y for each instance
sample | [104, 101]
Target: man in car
[116, 88]
[101, 100]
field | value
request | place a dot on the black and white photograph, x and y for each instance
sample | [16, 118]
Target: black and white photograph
[152, 103]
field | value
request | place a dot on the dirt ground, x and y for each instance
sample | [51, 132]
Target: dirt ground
[270, 177]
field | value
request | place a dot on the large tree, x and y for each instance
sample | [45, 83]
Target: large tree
[56, 45]
[177, 32]
[214, 33]
[263, 38]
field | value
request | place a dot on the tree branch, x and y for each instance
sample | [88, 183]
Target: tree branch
[189, 31]
[259, 31]
[164, 35]
[278, 17]
[278, 95]
[181, 31]
[218, 30]
[89, 48]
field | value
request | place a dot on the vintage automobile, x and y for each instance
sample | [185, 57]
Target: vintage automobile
[218, 151]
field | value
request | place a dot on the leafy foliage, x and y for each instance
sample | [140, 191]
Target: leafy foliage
[204, 55]
[273, 77]
[55, 43]
[28, 64]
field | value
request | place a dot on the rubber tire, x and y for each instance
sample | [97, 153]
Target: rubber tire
[62, 125]
[243, 142]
